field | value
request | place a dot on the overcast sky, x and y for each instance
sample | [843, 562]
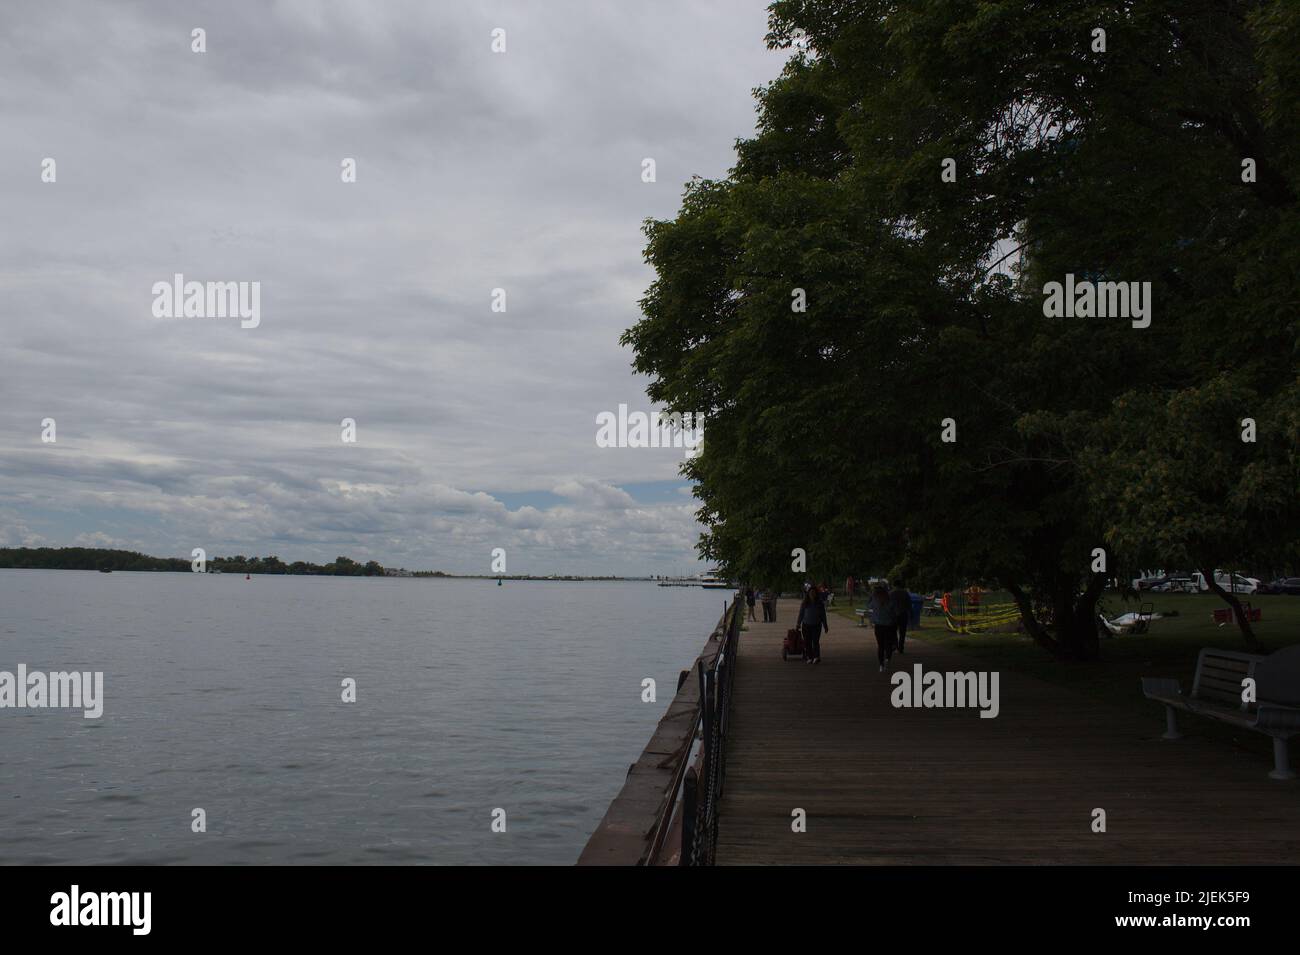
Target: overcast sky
[475, 170]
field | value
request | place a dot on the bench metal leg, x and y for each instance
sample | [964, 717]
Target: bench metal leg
[1171, 724]
[1281, 768]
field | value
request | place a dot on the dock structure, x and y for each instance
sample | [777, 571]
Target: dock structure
[878, 784]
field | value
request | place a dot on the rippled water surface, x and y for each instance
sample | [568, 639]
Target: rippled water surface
[225, 694]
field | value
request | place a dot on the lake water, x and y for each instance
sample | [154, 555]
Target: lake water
[225, 694]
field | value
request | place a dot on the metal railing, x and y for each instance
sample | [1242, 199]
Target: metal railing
[703, 784]
[667, 811]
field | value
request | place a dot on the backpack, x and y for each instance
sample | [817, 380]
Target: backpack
[901, 603]
[887, 613]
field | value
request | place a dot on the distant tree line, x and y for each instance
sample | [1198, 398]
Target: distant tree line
[96, 558]
[86, 558]
[339, 567]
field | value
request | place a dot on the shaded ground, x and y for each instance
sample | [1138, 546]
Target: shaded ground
[883, 785]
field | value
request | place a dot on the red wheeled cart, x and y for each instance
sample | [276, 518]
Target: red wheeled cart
[793, 645]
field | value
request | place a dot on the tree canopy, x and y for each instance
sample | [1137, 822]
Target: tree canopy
[920, 172]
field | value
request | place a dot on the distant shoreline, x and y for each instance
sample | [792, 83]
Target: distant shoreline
[121, 561]
[557, 578]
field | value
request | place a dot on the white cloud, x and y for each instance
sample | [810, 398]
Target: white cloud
[593, 492]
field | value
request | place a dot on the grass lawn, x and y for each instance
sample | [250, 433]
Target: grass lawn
[1169, 649]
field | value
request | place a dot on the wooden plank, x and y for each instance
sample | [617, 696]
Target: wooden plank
[887, 786]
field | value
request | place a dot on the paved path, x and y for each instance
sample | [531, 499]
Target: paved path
[886, 786]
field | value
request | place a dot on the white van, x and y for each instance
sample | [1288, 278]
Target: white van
[1235, 583]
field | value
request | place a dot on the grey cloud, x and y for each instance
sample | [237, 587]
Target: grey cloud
[475, 171]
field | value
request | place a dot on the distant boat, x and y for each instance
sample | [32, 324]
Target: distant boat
[105, 570]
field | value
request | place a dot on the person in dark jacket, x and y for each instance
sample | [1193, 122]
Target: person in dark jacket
[749, 601]
[902, 601]
[812, 618]
[882, 618]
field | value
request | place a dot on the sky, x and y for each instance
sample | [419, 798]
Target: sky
[476, 170]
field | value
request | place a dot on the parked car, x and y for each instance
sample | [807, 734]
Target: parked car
[1283, 585]
[1234, 583]
[1149, 580]
[1176, 584]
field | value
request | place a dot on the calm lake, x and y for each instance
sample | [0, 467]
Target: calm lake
[225, 694]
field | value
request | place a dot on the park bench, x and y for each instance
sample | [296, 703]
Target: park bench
[1217, 694]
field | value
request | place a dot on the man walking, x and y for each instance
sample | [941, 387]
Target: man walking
[902, 604]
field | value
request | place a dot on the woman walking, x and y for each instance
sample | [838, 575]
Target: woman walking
[883, 619]
[812, 618]
[749, 600]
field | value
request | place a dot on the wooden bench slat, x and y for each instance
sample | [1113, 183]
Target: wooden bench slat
[1211, 684]
[1219, 687]
[1224, 673]
[1214, 673]
[1227, 662]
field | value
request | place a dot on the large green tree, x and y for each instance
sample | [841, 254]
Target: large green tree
[1114, 159]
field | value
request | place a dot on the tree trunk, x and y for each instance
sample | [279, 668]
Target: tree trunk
[1077, 633]
[1238, 614]
[1035, 629]
[1075, 618]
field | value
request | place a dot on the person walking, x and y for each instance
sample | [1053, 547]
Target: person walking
[882, 618]
[749, 601]
[812, 619]
[902, 601]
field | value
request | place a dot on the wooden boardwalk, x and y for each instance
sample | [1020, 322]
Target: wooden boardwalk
[941, 786]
